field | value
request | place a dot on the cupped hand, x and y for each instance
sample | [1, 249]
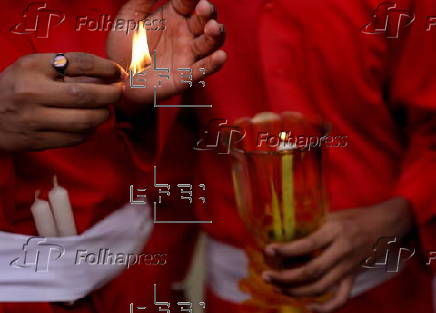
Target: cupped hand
[191, 39]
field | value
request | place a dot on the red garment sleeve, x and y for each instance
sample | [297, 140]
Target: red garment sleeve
[414, 89]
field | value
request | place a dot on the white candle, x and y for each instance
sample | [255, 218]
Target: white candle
[63, 213]
[43, 218]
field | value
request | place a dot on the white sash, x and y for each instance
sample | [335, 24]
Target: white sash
[36, 269]
[227, 265]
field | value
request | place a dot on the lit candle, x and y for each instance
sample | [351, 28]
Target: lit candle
[285, 143]
[288, 205]
[63, 213]
[43, 218]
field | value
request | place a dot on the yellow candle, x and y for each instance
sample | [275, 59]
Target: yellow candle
[288, 196]
[43, 218]
[276, 215]
[62, 210]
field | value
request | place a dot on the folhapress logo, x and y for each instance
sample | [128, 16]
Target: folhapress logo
[38, 20]
[388, 20]
[388, 255]
[38, 254]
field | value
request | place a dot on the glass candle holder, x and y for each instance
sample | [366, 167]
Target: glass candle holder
[279, 190]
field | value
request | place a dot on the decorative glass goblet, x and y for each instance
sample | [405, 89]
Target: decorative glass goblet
[278, 184]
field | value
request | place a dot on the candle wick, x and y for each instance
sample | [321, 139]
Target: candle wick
[37, 193]
[55, 181]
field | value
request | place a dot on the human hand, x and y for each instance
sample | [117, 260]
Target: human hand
[346, 239]
[191, 39]
[40, 111]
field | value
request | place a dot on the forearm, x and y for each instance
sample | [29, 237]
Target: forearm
[398, 222]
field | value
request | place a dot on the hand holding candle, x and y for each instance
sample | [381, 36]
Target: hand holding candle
[279, 191]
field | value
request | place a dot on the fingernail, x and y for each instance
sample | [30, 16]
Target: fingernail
[278, 290]
[204, 8]
[212, 8]
[270, 251]
[124, 75]
[266, 277]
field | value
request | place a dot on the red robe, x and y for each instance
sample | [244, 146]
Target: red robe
[97, 174]
[311, 57]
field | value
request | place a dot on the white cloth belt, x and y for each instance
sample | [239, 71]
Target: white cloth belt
[36, 269]
[227, 265]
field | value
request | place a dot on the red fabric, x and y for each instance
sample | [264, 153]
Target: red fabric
[375, 300]
[97, 174]
[327, 68]
[310, 56]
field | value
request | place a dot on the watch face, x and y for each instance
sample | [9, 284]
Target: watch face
[60, 61]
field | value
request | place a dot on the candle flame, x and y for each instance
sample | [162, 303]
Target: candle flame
[140, 53]
[282, 136]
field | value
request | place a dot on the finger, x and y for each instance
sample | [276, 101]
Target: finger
[184, 7]
[321, 286]
[203, 13]
[209, 65]
[68, 120]
[212, 39]
[339, 300]
[85, 64]
[83, 79]
[78, 95]
[309, 272]
[53, 140]
[315, 241]
[79, 64]
[137, 9]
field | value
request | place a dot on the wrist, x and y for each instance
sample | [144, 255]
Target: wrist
[396, 217]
